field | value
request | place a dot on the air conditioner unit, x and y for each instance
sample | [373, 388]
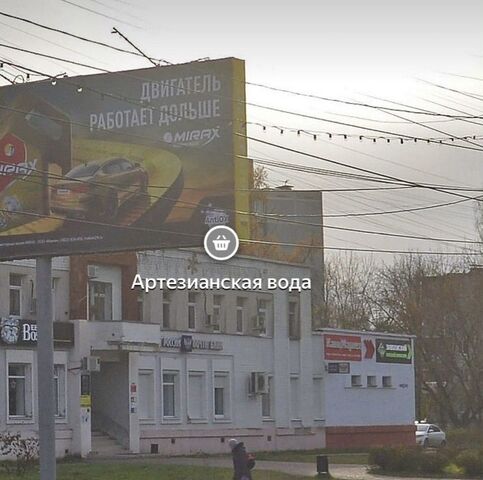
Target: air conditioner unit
[258, 383]
[91, 364]
[259, 324]
[92, 271]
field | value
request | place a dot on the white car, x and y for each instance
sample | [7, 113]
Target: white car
[429, 435]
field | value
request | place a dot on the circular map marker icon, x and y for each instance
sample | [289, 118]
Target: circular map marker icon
[221, 243]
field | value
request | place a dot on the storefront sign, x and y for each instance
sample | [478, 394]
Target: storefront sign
[340, 367]
[15, 331]
[342, 347]
[394, 351]
[186, 343]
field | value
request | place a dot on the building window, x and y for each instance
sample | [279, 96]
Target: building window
[217, 305]
[59, 391]
[196, 396]
[15, 294]
[100, 300]
[146, 394]
[240, 314]
[192, 310]
[19, 390]
[318, 413]
[141, 306]
[293, 319]
[294, 398]
[356, 381]
[387, 382]
[262, 315]
[267, 400]
[166, 309]
[221, 395]
[170, 394]
[371, 381]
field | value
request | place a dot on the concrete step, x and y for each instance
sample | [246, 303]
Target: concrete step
[103, 445]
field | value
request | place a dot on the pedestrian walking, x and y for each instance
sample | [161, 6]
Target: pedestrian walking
[242, 461]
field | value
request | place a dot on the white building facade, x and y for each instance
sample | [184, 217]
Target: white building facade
[196, 368]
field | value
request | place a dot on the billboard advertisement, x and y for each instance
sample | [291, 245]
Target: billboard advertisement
[342, 347]
[394, 351]
[130, 160]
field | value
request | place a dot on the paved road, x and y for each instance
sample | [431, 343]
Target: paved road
[343, 472]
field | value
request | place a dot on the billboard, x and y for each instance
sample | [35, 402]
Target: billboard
[342, 347]
[129, 160]
[394, 351]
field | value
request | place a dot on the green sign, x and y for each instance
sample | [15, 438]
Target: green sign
[394, 351]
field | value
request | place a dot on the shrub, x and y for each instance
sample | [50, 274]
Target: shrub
[24, 450]
[396, 459]
[471, 461]
[434, 462]
[453, 470]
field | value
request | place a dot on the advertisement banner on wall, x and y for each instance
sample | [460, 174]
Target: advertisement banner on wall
[129, 160]
[342, 347]
[394, 351]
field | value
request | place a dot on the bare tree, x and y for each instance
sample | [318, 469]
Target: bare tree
[440, 302]
[349, 291]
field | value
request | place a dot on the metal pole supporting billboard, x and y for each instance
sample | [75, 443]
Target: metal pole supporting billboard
[45, 369]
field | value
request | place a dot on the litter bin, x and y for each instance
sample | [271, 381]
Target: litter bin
[322, 465]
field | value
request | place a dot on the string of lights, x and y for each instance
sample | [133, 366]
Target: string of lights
[314, 134]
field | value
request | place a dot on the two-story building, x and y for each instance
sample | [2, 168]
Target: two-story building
[182, 371]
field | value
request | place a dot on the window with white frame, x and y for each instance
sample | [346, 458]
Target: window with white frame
[371, 381]
[59, 390]
[100, 300]
[146, 394]
[196, 395]
[294, 398]
[267, 400]
[140, 304]
[317, 399]
[192, 298]
[170, 390]
[166, 309]
[240, 314]
[293, 318]
[15, 287]
[217, 306]
[221, 395]
[262, 316]
[387, 381]
[356, 381]
[19, 390]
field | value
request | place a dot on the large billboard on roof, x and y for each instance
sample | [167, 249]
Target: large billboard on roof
[138, 159]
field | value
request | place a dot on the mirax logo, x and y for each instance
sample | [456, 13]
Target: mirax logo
[192, 138]
[13, 160]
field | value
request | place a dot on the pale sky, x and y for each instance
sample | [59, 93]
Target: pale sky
[346, 49]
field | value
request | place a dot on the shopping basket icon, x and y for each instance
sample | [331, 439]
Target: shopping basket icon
[221, 243]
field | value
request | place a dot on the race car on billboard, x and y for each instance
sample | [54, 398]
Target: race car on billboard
[98, 189]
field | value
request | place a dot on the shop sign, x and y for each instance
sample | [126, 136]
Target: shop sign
[339, 367]
[16, 331]
[394, 351]
[342, 347]
[186, 343]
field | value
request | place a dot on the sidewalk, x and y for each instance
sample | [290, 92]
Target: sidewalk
[342, 472]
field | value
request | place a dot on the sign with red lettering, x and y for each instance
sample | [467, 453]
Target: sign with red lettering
[342, 347]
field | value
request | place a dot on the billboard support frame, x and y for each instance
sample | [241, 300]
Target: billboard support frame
[45, 369]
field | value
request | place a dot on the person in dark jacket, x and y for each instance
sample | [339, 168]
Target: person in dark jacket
[240, 460]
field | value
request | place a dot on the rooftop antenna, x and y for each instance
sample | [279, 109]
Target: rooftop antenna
[115, 30]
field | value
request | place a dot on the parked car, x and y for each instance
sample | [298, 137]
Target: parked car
[97, 189]
[430, 435]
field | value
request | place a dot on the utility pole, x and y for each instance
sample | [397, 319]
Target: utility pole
[45, 369]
